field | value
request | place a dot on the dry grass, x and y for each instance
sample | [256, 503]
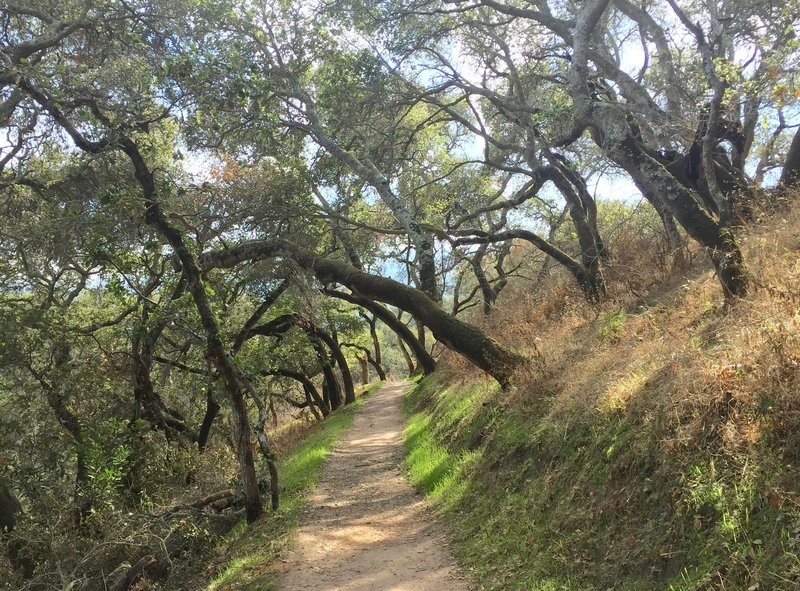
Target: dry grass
[661, 388]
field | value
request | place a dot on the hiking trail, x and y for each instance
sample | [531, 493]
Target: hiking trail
[365, 529]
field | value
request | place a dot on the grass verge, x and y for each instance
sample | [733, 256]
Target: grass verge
[247, 557]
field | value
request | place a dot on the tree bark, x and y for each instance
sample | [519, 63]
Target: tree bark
[405, 334]
[673, 235]
[341, 361]
[612, 129]
[266, 451]
[212, 410]
[412, 369]
[377, 363]
[791, 165]
[364, 370]
[216, 350]
[716, 237]
[147, 401]
[470, 341]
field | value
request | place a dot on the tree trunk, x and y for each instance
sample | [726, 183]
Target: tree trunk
[673, 235]
[344, 368]
[283, 323]
[426, 362]
[331, 390]
[364, 370]
[147, 401]
[57, 400]
[313, 406]
[216, 350]
[266, 451]
[469, 340]
[412, 369]
[583, 212]
[791, 166]
[714, 236]
[212, 410]
[376, 343]
[476, 262]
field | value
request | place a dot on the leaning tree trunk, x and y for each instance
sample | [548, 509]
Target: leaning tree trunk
[612, 129]
[404, 334]
[466, 339]
[223, 362]
[147, 401]
[285, 322]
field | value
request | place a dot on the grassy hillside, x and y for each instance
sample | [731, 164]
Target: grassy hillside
[653, 444]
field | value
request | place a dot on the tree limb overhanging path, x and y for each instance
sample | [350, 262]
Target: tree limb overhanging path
[366, 529]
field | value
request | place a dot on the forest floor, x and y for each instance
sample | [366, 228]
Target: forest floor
[365, 529]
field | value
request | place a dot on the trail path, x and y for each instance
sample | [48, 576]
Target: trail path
[366, 529]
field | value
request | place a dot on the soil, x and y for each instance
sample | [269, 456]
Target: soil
[365, 528]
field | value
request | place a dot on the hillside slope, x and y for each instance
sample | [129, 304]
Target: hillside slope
[654, 444]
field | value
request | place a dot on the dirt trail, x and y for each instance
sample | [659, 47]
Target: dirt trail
[366, 529]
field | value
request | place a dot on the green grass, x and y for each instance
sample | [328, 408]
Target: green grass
[249, 552]
[539, 501]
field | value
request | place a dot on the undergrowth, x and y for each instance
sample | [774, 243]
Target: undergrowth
[249, 554]
[654, 443]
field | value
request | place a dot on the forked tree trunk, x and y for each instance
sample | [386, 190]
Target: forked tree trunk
[717, 238]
